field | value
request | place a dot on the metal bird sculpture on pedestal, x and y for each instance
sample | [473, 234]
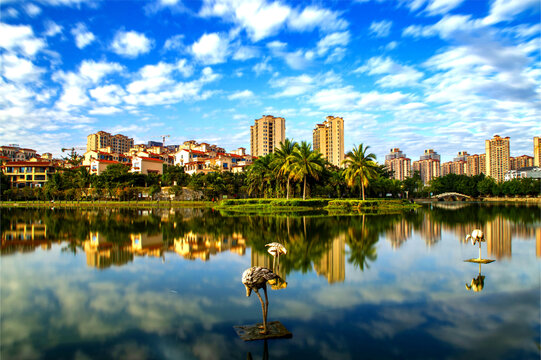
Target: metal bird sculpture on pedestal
[275, 249]
[256, 278]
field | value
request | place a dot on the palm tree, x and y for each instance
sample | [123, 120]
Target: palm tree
[283, 160]
[360, 167]
[260, 175]
[306, 163]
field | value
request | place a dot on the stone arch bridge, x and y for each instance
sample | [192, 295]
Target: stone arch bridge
[451, 196]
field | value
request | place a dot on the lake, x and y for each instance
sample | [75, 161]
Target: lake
[166, 284]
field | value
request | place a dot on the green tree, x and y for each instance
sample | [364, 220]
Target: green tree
[360, 167]
[283, 160]
[306, 163]
[261, 176]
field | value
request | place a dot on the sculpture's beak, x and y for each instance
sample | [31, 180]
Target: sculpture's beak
[248, 290]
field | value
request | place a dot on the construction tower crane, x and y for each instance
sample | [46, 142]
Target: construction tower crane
[163, 139]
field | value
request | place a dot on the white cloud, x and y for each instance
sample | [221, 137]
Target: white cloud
[313, 17]
[245, 53]
[241, 95]
[32, 10]
[52, 29]
[211, 49]
[95, 71]
[108, 94]
[296, 60]
[447, 27]
[83, 37]
[347, 99]
[261, 18]
[294, 85]
[131, 44]
[337, 39]
[440, 7]
[104, 110]
[506, 10]
[10, 13]
[396, 75]
[18, 69]
[262, 67]
[175, 42]
[381, 28]
[20, 39]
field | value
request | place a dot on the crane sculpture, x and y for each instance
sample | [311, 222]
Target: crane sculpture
[256, 278]
[477, 236]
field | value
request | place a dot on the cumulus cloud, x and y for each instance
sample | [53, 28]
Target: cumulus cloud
[396, 75]
[507, 10]
[18, 69]
[446, 28]
[381, 28]
[20, 39]
[131, 44]
[211, 48]
[83, 37]
[32, 10]
[52, 29]
[241, 95]
[334, 40]
[262, 19]
[245, 53]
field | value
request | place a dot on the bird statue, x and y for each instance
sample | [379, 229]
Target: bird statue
[476, 236]
[276, 249]
[256, 278]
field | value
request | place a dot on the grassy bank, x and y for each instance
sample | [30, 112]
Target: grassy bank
[262, 206]
[107, 204]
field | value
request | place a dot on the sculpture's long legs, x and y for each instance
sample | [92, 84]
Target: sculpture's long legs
[264, 311]
[479, 249]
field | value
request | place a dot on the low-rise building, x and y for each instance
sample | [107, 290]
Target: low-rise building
[146, 165]
[532, 172]
[32, 173]
[16, 153]
[97, 167]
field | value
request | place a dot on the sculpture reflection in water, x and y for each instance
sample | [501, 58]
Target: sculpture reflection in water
[477, 284]
[276, 249]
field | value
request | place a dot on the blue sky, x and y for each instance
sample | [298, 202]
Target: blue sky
[413, 74]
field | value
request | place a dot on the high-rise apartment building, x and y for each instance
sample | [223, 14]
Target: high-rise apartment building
[329, 139]
[520, 162]
[399, 164]
[475, 164]
[118, 143]
[497, 161]
[266, 134]
[537, 151]
[428, 166]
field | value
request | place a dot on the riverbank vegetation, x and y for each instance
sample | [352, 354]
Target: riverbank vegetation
[293, 171]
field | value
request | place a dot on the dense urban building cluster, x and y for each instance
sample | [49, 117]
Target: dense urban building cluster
[24, 167]
[496, 162]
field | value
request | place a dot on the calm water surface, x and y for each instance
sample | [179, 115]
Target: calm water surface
[165, 284]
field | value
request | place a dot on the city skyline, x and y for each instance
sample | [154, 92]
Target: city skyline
[443, 75]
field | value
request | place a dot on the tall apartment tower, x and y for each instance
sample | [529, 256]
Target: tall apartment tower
[475, 164]
[118, 143]
[329, 139]
[537, 151]
[497, 161]
[428, 165]
[397, 162]
[266, 134]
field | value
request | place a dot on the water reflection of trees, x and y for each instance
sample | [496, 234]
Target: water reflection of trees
[313, 242]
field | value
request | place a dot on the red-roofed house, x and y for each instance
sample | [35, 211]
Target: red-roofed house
[98, 166]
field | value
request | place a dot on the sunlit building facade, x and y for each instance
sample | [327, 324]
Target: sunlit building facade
[399, 164]
[100, 140]
[537, 151]
[497, 160]
[266, 134]
[428, 166]
[328, 139]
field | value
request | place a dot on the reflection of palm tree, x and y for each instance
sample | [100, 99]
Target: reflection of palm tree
[361, 245]
[256, 278]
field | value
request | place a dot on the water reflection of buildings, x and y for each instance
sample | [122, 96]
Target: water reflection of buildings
[145, 244]
[430, 231]
[201, 246]
[24, 237]
[399, 233]
[332, 264]
[102, 254]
